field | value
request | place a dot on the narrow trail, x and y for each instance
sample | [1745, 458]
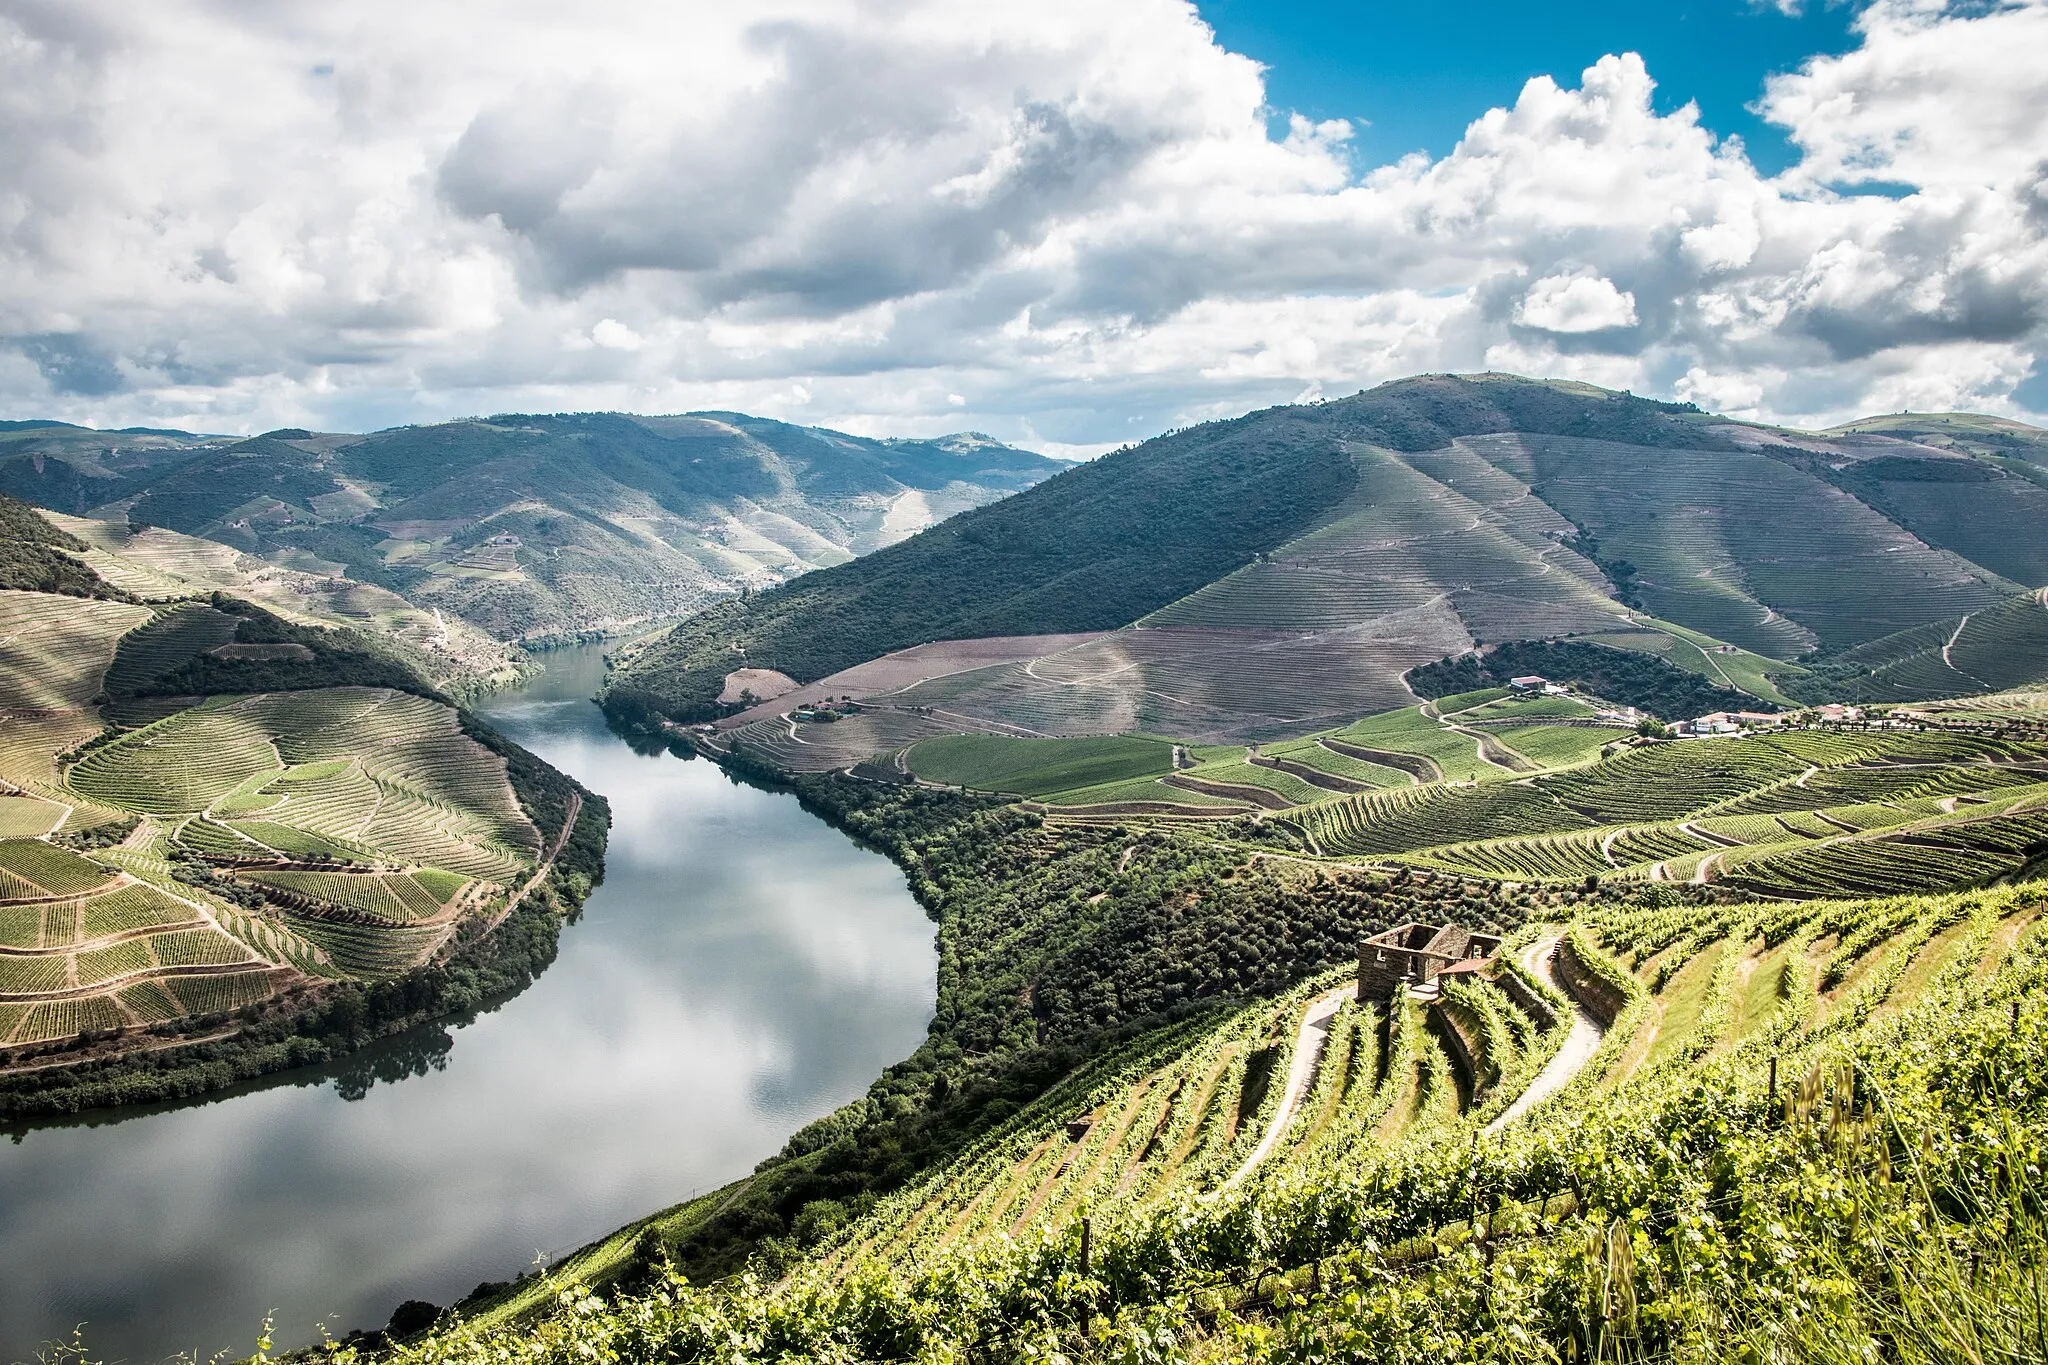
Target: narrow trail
[1308, 1055]
[1945, 658]
[540, 873]
[1579, 1045]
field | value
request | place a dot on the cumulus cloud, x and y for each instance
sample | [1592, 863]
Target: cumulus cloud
[846, 211]
[1576, 303]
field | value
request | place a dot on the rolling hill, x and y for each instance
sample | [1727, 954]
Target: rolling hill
[529, 528]
[1274, 574]
[234, 839]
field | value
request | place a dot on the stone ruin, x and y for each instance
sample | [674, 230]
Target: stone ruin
[1414, 955]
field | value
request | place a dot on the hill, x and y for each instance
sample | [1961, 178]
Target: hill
[1269, 575]
[1166, 1113]
[529, 527]
[2001, 647]
[233, 842]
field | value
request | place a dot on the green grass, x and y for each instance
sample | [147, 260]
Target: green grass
[1038, 767]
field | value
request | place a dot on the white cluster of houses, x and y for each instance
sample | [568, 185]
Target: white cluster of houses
[1735, 722]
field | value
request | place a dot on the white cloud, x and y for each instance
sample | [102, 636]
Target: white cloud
[1576, 303]
[614, 335]
[235, 217]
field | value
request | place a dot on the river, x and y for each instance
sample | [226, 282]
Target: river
[744, 969]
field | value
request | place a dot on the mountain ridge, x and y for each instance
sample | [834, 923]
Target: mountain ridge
[1276, 570]
[532, 527]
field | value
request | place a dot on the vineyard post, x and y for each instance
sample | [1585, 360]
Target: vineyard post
[1772, 1102]
[1472, 1182]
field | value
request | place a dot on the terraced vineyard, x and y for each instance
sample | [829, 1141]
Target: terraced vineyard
[1895, 811]
[1898, 809]
[53, 650]
[360, 773]
[209, 906]
[1430, 1153]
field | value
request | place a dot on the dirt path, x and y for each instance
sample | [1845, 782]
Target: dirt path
[1308, 1054]
[547, 865]
[1579, 1045]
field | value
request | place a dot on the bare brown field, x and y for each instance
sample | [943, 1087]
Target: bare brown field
[907, 667]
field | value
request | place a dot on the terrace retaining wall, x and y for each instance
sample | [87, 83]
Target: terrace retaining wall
[1591, 989]
[1465, 1041]
[1527, 1000]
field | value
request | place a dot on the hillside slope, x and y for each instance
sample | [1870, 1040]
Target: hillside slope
[234, 840]
[530, 527]
[1273, 573]
[1735, 1101]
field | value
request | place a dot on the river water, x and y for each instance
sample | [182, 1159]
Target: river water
[744, 969]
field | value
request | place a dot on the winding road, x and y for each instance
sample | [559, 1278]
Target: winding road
[1540, 958]
[1301, 1073]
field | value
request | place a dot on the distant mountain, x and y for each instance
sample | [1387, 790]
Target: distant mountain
[529, 527]
[1281, 571]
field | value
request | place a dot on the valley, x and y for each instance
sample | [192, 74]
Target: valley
[1458, 786]
[1315, 555]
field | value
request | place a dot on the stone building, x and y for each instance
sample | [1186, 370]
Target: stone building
[1413, 955]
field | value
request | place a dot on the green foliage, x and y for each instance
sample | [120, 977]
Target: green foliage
[1886, 1201]
[1056, 945]
[1623, 676]
[32, 556]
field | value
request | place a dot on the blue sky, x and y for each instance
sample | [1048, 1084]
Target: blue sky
[1411, 76]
